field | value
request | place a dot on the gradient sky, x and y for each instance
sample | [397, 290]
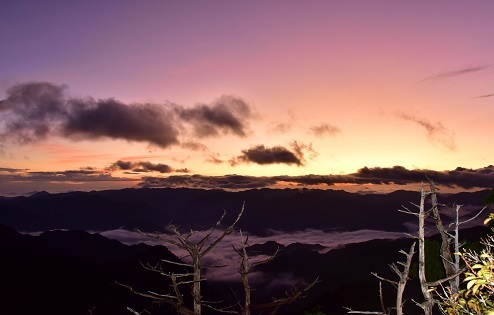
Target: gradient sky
[112, 94]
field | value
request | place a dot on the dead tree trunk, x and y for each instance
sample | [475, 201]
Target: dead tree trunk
[400, 284]
[247, 266]
[451, 265]
[400, 289]
[451, 269]
[196, 287]
[457, 245]
[446, 239]
[428, 303]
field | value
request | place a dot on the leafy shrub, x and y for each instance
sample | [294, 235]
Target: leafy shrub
[478, 295]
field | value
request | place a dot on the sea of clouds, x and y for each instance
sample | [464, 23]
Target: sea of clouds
[224, 254]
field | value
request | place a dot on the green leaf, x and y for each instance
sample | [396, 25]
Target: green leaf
[470, 284]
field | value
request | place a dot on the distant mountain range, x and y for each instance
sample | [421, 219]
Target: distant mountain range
[265, 209]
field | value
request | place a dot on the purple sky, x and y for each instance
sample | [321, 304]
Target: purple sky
[111, 94]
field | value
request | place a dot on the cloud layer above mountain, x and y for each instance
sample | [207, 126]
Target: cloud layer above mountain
[397, 175]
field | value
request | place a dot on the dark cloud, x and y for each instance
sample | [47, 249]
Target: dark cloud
[72, 175]
[467, 178]
[436, 133]
[234, 182]
[312, 179]
[324, 129]
[25, 182]
[259, 154]
[90, 119]
[194, 146]
[34, 111]
[485, 95]
[11, 170]
[387, 175]
[142, 167]
[302, 149]
[456, 73]
[121, 165]
[459, 177]
[81, 175]
[281, 127]
[397, 175]
[148, 166]
[226, 115]
[262, 155]
[213, 159]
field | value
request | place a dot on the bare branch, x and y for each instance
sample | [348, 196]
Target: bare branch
[201, 243]
[412, 236]
[350, 311]
[136, 312]
[440, 281]
[407, 211]
[176, 263]
[416, 205]
[226, 232]
[150, 295]
[382, 299]
[384, 279]
[228, 309]
[296, 293]
[474, 217]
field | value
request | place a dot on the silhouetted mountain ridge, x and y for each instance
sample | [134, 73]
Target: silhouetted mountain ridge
[73, 272]
[266, 209]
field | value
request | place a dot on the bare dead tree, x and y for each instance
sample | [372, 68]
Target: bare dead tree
[429, 301]
[449, 242]
[399, 285]
[451, 266]
[247, 266]
[457, 245]
[446, 240]
[403, 278]
[196, 250]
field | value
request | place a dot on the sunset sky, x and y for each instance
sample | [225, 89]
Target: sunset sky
[245, 94]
